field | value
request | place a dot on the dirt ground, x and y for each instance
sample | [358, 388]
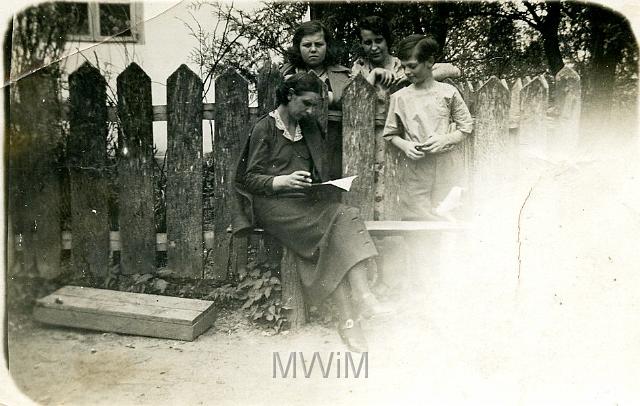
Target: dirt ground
[549, 317]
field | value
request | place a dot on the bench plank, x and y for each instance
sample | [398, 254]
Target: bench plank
[384, 228]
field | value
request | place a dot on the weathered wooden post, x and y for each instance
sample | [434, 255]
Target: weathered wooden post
[292, 293]
[35, 187]
[269, 249]
[469, 96]
[232, 117]
[490, 140]
[359, 144]
[514, 108]
[564, 141]
[514, 119]
[87, 151]
[269, 77]
[533, 113]
[135, 172]
[184, 173]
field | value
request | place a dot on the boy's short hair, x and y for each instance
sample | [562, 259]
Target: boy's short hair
[421, 46]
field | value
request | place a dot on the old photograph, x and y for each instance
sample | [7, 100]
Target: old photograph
[320, 202]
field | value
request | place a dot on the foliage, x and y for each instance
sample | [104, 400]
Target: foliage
[39, 37]
[242, 39]
[261, 292]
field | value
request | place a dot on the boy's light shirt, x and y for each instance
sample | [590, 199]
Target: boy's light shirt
[417, 114]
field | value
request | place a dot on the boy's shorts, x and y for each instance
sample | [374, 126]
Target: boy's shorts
[427, 181]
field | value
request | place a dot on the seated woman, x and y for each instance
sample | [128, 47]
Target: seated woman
[283, 158]
[313, 49]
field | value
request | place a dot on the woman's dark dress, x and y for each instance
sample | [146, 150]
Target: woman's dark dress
[329, 237]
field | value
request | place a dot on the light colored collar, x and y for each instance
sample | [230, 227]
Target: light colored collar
[285, 132]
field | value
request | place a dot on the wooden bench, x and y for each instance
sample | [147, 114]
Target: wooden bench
[292, 293]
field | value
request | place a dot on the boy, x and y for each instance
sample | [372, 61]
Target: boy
[418, 124]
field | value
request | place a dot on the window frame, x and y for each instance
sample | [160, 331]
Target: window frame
[93, 15]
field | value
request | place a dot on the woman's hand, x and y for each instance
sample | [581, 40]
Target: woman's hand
[380, 75]
[294, 181]
[410, 148]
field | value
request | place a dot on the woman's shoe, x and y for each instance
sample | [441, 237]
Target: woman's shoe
[352, 336]
[370, 307]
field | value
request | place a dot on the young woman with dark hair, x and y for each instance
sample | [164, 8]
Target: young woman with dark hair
[283, 158]
[314, 50]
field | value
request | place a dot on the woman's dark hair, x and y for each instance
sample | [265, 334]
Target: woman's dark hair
[309, 28]
[422, 46]
[378, 26]
[299, 82]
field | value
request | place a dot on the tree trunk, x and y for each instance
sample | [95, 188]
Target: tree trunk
[607, 30]
[439, 25]
[551, 42]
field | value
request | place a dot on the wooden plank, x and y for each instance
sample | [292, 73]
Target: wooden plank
[232, 95]
[35, 150]
[359, 144]
[533, 113]
[184, 173]
[133, 311]
[114, 241]
[389, 228]
[87, 150]
[128, 297]
[124, 312]
[394, 164]
[135, 172]
[514, 108]
[209, 111]
[269, 78]
[123, 325]
[490, 140]
[568, 103]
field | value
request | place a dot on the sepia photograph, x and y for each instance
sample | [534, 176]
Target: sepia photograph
[252, 202]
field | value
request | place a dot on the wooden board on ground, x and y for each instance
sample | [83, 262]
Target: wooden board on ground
[126, 312]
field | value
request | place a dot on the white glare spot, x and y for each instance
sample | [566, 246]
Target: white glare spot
[94, 211]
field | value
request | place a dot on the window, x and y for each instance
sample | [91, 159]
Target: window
[104, 21]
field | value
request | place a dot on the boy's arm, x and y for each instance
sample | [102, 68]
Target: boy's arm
[393, 132]
[442, 71]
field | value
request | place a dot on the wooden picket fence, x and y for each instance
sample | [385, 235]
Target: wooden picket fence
[508, 121]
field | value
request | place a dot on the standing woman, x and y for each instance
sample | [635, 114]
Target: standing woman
[282, 159]
[314, 50]
[378, 66]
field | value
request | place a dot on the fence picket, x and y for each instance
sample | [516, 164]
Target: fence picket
[184, 173]
[533, 113]
[491, 138]
[232, 95]
[36, 194]
[389, 172]
[270, 250]
[359, 143]
[269, 77]
[135, 172]
[87, 150]
[568, 102]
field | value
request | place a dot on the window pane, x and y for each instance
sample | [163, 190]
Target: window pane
[115, 19]
[76, 16]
